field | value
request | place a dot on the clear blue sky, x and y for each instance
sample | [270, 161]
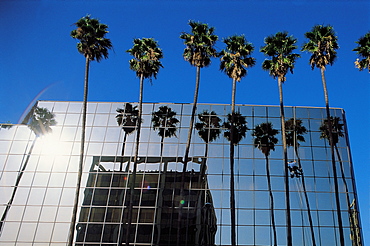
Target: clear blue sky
[37, 53]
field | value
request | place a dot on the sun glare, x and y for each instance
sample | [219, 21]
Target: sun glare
[51, 145]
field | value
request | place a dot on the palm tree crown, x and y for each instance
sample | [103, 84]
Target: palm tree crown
[127, 118]
[164, 120]
[337, 129]
[294, 132]
[264, 137]
[147, 55]
[90, 32]
[236, 57]
[209, 126]
[279, 47]
[239, 127]
[199, 44]
[363, 50]
[322, 44]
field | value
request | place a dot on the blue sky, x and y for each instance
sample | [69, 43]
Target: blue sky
[38, 55]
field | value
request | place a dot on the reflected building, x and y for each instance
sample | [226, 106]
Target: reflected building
[41, 210]
[157, 204]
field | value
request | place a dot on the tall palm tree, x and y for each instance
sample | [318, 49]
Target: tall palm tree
[127, 118]
[40, 123]
[279, 48]
[294, 134]
[265, 140]
[234, 61]
[165, 122]
[198, 52]
[146, 63]
[322, 44]
[208, 130]
[94, 47]
[363, 50]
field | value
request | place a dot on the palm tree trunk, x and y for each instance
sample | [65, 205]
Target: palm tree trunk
[123, 153]
[162, 141]
[306, 196]
[133, 179]
[336, 189]
[80, 166]
[187, 150]
[286, 172]
[232, 181]
[272, 212]
[19, 177]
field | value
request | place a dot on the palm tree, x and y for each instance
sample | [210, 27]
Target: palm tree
[208, 130]
[294, 134]
[234, 61]
[165, 122]
[198, 52]
[40, 122]
[265, 140]
[127, 118]
[279, 48]
[93, 46]
[363, 50]
[322, 44]
[146, 63]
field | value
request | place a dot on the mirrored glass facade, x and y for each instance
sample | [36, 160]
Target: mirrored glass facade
[169, 204]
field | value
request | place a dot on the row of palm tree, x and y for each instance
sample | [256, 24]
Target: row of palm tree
[234, 61]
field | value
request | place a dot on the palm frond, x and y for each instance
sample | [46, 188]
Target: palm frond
[279, 48]
[322, 43]
[91, 35]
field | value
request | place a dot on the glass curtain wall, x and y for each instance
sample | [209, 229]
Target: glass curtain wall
[41, 210]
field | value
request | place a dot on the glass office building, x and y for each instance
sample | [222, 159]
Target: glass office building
[38, 176]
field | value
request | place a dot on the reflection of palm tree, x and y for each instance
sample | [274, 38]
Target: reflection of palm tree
[234, 61]
[146, 63]
[6, 126]
[40, 123]
[265, 140]
[337, 129]
[164, 120]
[127, 118]
[363, 50]
[94, 46]
[208, 130]
[236, 128]
[294, 134]
[322, 43]
[239, 128]
[280, 47]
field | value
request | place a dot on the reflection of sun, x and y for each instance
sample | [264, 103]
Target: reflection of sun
[51, 145]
